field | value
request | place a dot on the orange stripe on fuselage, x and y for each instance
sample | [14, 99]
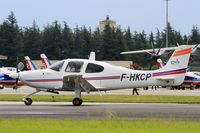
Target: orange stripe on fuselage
[183, 52]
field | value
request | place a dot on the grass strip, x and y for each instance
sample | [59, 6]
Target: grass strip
[98, 126]
[107, 98]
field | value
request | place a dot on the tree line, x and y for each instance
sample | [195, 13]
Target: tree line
[59, 41]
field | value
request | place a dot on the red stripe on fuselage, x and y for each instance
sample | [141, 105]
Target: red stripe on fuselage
[60, 80]
[103, 78]
[170, 73]
[46, 80]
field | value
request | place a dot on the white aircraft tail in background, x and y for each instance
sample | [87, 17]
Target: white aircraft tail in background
[45, 61]
[29, 64]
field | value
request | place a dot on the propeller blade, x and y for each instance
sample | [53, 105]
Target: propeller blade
[159, 50]
[153, 48]
[150, 53]
[20, 66]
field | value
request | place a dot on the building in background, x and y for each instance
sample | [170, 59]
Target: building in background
[2, 57]
[103, 23]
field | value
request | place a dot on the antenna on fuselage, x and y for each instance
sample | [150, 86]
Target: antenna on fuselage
[92, 56]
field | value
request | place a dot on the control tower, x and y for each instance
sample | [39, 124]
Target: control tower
[103, 23]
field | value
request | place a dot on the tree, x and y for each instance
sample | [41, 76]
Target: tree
[11, 40]
[120, 44]
[79, 44]
[97, 41]
[195, 36]
[32, 41]
[109, 43]
[52, 41]
[67, 42]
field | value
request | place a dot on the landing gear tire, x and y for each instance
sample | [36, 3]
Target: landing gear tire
[2, 87]
[77, 101]
[28, 101]
[14, 87]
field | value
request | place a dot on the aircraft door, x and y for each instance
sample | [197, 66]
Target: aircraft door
[54, 79]
[94, 74]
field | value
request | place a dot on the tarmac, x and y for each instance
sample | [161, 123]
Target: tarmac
[63, 110]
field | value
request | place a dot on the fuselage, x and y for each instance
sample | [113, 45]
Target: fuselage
[100, 75]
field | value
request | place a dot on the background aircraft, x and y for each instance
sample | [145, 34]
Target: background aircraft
[192, 79]
[89, 75]
[6, 80]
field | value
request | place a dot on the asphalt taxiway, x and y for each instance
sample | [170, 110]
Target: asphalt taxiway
[61, 110]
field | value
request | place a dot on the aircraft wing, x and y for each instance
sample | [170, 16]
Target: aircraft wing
[195, 46]
[77, 81]
[148, 50]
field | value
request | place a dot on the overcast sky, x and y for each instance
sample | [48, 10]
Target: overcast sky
[138, 14]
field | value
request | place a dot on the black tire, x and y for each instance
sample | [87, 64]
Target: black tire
[28, 101]
[14, 87]
[77, 101]
[2, 87]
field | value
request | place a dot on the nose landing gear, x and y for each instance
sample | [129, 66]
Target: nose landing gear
[28, 101]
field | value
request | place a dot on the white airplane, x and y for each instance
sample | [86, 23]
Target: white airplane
[89, 75]
[192, 79]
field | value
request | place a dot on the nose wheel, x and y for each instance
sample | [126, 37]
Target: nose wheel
[77, 101]
[28, 101]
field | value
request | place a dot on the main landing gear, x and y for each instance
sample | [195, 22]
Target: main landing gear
[77, 101]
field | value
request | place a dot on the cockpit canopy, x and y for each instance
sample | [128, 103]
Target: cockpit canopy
[76, 67]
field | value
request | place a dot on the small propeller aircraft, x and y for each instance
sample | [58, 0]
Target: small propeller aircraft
[192, 79]
[6, 80]
[80, 75]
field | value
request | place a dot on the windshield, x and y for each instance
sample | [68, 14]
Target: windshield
[74, 66]
[57, 66]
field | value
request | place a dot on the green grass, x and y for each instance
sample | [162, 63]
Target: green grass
[97, 126]
[108, 98]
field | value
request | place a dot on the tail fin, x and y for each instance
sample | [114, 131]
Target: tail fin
[29, 64]
[176, 66]
[45, 61]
